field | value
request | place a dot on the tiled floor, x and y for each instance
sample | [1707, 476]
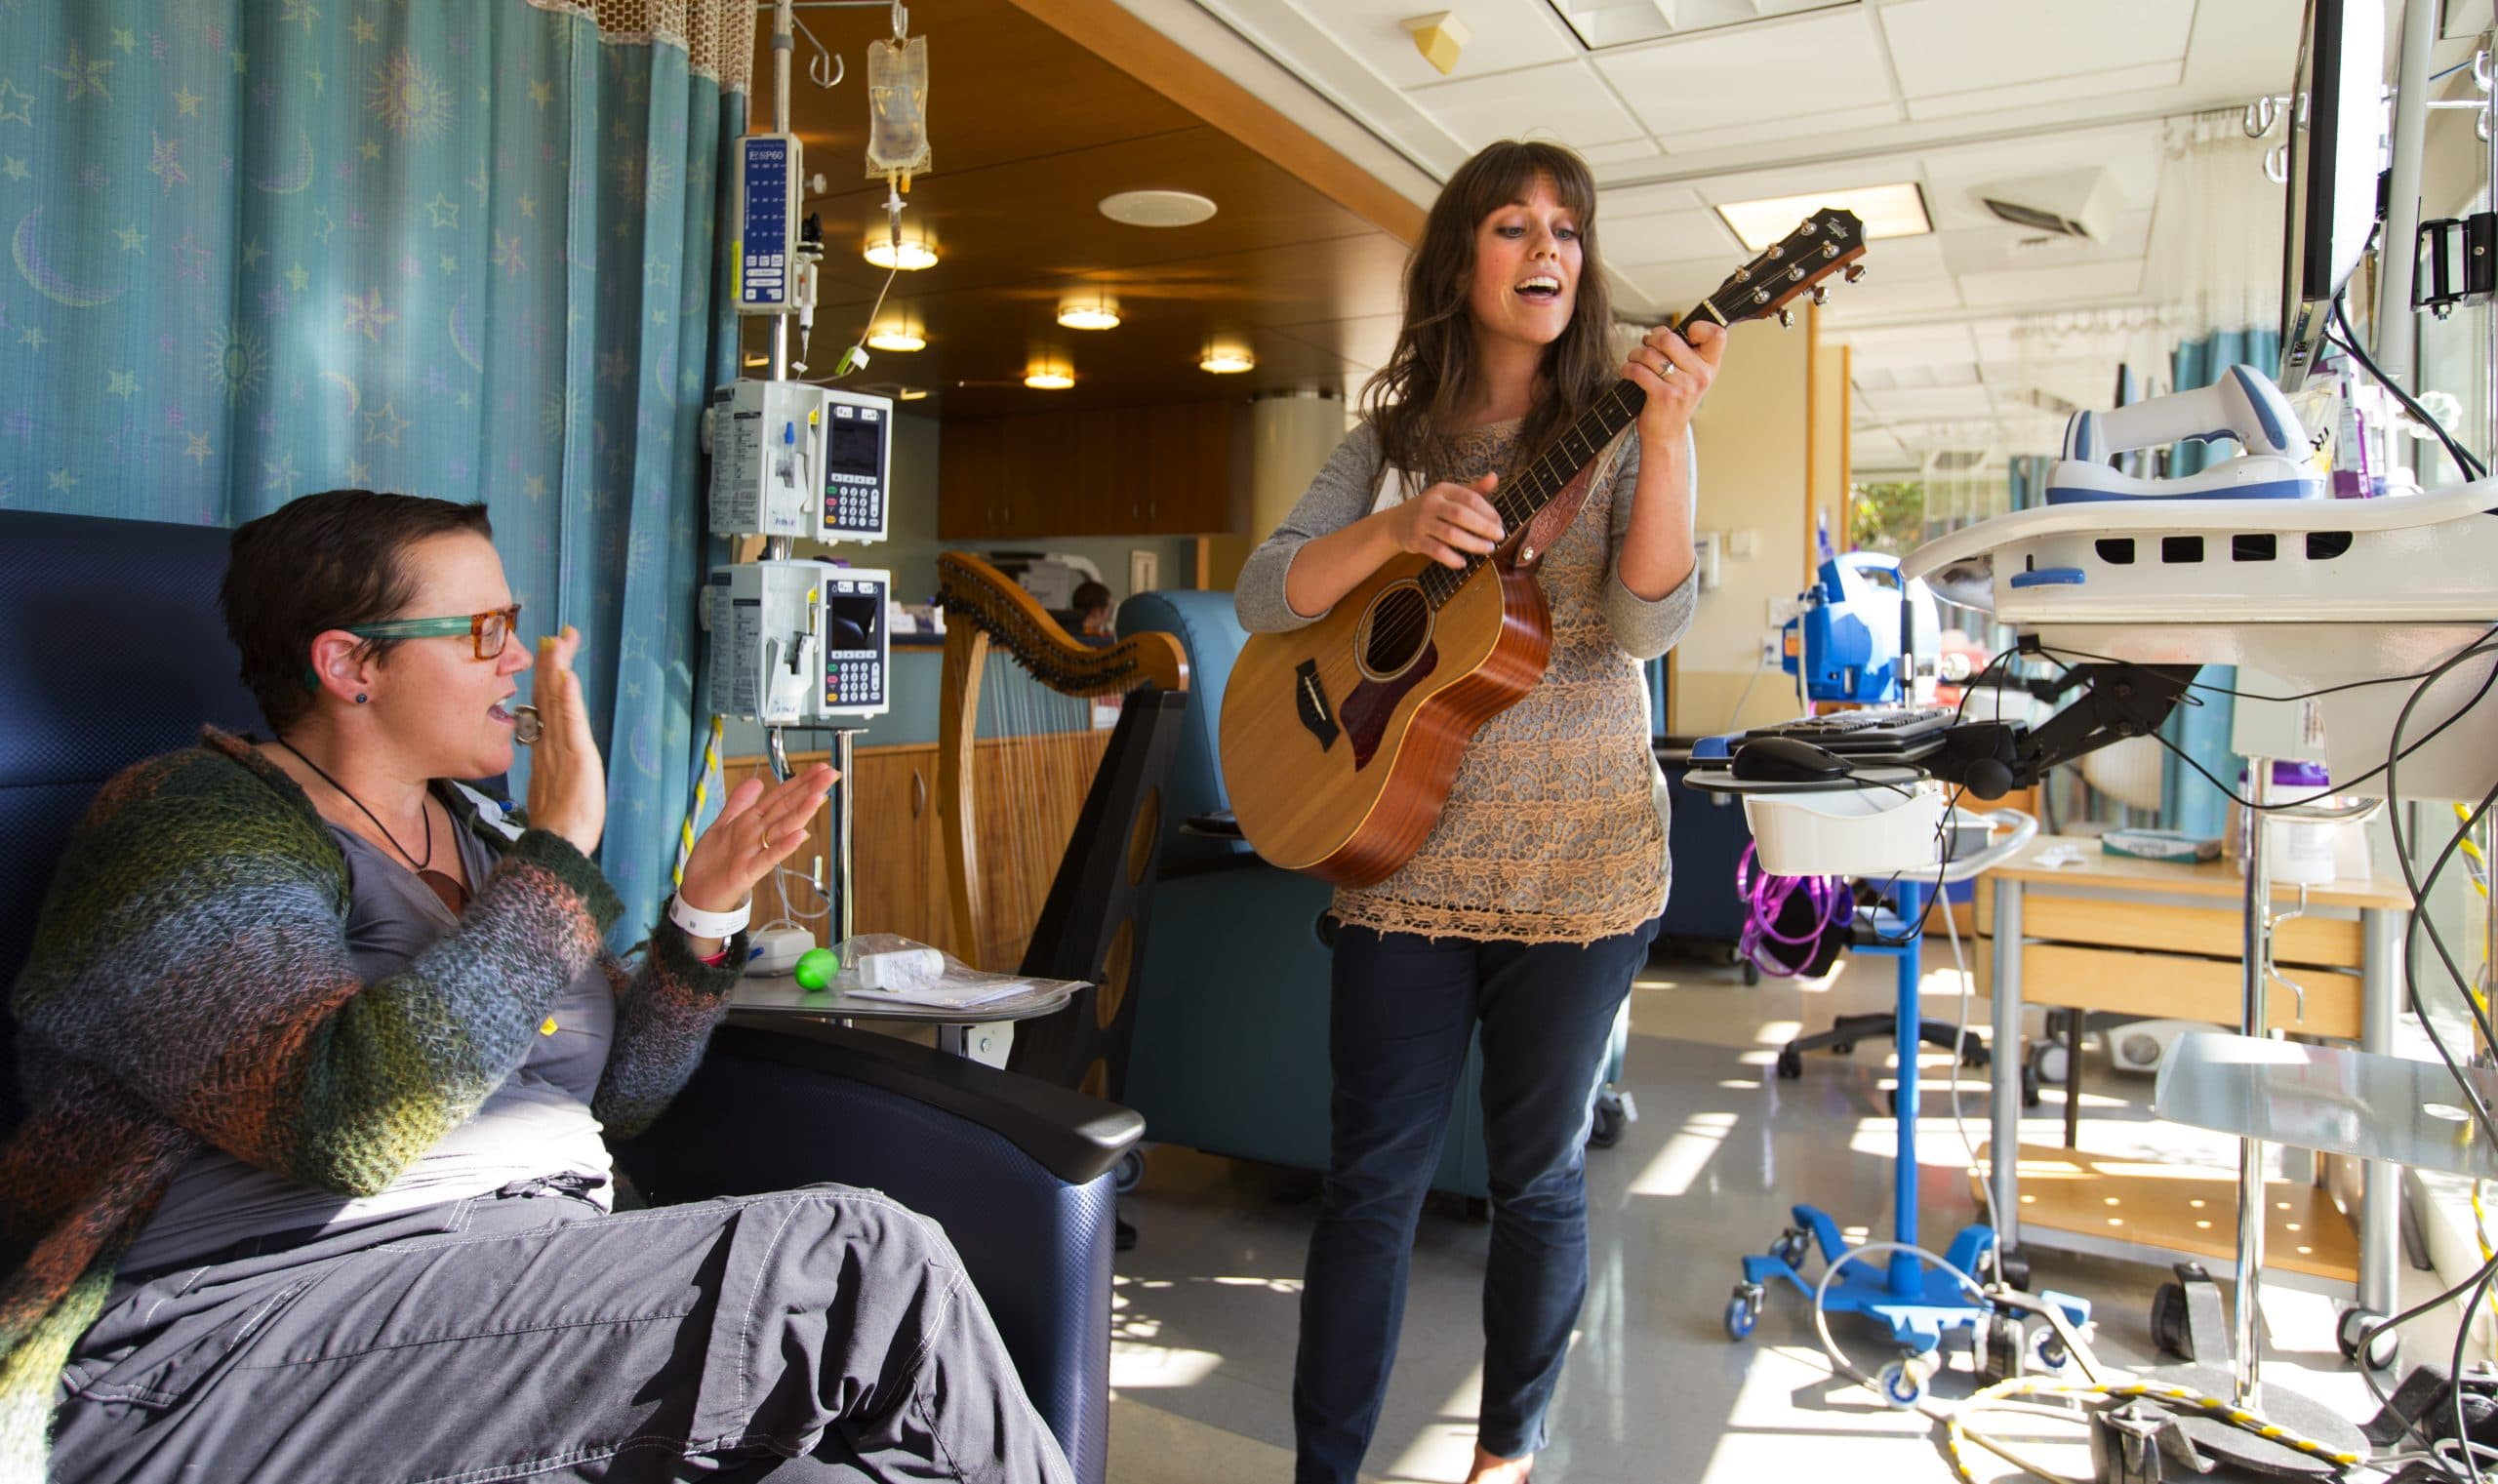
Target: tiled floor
[1655, 1393]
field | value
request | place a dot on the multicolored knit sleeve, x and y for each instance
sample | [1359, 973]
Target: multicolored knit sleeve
[194, 950]
[664, 1012]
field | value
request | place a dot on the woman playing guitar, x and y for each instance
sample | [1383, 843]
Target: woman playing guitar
[1530, 906]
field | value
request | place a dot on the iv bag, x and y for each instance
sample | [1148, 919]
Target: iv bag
[897, 107]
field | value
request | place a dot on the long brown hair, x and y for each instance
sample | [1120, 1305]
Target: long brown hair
[1415, 397]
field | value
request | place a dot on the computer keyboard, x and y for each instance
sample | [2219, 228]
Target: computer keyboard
[1876, 729]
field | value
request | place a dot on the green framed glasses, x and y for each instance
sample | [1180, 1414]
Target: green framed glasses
[488, 633]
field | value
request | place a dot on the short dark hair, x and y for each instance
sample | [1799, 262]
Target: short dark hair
[1090, 595]
[331, 560]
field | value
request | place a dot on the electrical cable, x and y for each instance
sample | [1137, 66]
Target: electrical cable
[2056, 651]
[2350, 342]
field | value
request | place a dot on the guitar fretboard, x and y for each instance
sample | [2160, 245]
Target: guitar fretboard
[1519, 499]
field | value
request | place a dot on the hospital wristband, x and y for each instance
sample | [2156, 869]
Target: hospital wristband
[697, 923]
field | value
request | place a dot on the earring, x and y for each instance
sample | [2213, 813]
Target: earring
[360, 698]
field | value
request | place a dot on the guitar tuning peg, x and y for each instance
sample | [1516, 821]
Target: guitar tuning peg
[1821, 294]
[1854, 272]
[1785, 319]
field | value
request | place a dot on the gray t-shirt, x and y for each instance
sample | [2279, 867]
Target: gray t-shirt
[538, 1123]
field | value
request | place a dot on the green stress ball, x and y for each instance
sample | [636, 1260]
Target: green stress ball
[815, 968]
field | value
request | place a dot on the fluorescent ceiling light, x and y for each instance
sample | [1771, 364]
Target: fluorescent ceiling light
[1887, 211]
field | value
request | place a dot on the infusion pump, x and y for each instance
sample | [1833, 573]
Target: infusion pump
[794, 461]
[798, 642]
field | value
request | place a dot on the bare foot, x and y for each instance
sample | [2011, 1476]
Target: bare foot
[1491, 1469]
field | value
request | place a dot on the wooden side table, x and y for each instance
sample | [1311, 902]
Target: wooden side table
[2082, 930]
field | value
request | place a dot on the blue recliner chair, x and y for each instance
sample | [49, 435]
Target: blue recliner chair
[114, 651]
[1230, 1046]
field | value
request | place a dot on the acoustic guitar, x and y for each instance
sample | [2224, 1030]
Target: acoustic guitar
[1340, 739]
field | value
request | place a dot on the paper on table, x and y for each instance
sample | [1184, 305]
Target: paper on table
[959, 986]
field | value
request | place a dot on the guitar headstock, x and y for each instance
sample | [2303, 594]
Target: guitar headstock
[1830, 241]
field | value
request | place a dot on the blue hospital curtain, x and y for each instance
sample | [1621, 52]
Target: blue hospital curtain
[458, 248]
[2202, 732]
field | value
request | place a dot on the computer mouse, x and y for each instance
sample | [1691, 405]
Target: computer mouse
[1787, 760]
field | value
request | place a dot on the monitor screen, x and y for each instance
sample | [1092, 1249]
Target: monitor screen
[2336, 124]
[855, 445]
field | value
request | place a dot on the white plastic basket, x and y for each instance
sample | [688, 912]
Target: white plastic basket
[1847, 831]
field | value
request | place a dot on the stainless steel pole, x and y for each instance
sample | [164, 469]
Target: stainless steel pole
[784, 37]
[2395, 318]
[2257, 979]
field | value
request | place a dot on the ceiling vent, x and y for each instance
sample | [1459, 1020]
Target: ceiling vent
[2048, 402]
[1955, 461]
[2073, 203]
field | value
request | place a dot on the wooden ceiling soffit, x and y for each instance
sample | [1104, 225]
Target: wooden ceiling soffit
[1110, 32]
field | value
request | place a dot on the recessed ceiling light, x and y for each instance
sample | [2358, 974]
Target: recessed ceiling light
[1157, 208]
[916, 251]
[898, 332]
[1089, 310]
[1224, 360]
[1887, 211]
[1049, 373]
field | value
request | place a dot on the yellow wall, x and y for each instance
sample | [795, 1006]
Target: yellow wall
[1755, 435]
[1831, 418]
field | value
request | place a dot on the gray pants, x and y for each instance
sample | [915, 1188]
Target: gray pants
[817, 1334]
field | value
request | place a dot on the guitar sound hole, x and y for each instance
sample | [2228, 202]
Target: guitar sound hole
[1400, 625]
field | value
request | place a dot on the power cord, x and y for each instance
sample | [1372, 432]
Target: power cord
[2349, 340]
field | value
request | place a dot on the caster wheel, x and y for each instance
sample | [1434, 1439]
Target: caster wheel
[1129, 1172]
[2029, 1084]
[2382, 1349]
[2016, 1270]
[1606, 1130]
[2050, 1351]
[1903, 1382]
[1751, 975]
[1973, 1052]
[1999, 1351]
[2168, 1327]
[1743, 1310]
[2050, 1061]
[1791, 1064]
[1791, 1248]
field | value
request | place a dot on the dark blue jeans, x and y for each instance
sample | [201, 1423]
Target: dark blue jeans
[1403, 1011]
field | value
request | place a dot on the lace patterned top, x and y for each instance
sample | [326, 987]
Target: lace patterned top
[1553, 831]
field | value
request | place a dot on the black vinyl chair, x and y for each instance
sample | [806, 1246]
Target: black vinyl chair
[114, 651]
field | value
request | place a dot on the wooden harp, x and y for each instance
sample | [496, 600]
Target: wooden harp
[1051, 821]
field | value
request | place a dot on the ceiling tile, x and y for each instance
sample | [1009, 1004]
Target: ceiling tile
[2055, 89]
[1813, 65]
[1685, 236]
[1564, 102]
[1880, 294]
[1940, 46]
[1506, 36]
[1628, 152]
[1645, 200]
[2050, 288]
[1833, 121]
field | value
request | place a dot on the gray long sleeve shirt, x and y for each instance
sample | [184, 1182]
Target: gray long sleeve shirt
[1552, 831]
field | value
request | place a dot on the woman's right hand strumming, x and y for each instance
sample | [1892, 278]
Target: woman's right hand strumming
[1448, 523]
[567, 779]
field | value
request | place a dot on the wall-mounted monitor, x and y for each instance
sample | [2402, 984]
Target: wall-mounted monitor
[2336, 122]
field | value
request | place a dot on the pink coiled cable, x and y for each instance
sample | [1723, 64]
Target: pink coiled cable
[1765, 896]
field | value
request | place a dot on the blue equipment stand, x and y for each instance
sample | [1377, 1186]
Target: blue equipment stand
[1919, 1303]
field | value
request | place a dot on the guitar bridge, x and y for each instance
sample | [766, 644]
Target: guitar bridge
[1310, 700]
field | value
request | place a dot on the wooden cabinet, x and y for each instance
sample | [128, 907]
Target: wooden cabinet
[894, 845]
[1164, 470]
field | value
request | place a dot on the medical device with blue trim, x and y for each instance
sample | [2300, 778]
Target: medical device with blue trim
[763, 257]
[798, 642]
[2243, 405]
[1861, 640]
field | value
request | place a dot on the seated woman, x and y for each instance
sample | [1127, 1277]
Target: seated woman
[321, 1050]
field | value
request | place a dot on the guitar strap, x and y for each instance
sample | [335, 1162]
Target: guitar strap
[1556, 517]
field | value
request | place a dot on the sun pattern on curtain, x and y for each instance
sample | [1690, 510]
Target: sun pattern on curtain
[459, 248]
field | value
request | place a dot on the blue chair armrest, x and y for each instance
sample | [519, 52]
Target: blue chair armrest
[1016, 1171]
